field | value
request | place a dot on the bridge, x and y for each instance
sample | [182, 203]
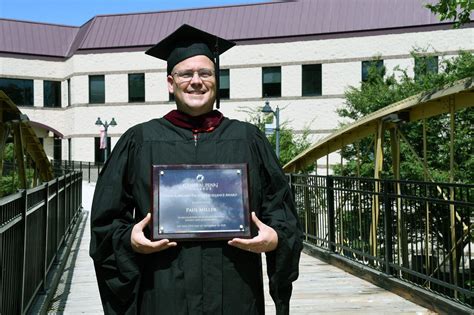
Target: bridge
[372, 245]
[320, 286]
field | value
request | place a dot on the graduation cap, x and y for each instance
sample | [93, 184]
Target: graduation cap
[186, 42]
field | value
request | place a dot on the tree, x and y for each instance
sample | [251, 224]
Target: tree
[290, 144]
[457, 10]
[379, 91]
[9, 181]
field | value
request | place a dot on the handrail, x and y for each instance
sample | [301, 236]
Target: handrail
[33, 226]
[90, 170]
[413, 238]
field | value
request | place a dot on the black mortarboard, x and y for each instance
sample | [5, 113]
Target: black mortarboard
[186, 42]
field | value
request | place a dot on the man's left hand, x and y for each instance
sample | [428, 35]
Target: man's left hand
[265, 241]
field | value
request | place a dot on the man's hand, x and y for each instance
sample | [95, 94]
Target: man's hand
[141, 244]
[265, 241]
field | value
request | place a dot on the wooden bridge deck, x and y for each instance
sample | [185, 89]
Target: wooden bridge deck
[320, 289]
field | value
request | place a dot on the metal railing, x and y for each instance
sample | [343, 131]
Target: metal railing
[90, 170]
[34, 224]
[419, 232]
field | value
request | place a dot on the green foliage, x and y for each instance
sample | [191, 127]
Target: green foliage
[9, 181]
[8, 155]
[456, 10]
[378, 92]
[8, 184]
[290, 145]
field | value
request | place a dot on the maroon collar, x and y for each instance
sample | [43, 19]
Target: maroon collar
[203, 123]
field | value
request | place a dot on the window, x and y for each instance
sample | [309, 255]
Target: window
[311, 76]
[96, 89]
[57, 149]
[372, 65]
[68, 92]
[18, 90]
[100, 153]
[52, 93]
[271, 82]
[224, 84]
[425, 65]
[136, 87]
[69, 149]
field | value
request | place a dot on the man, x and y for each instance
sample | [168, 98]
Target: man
[138, 275]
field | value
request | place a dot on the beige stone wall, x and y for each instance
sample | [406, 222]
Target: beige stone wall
[341, 67]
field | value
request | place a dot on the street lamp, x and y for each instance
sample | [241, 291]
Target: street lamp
[267, 109]
[106, 126]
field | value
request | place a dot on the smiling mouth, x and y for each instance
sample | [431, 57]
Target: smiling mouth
[196, 92]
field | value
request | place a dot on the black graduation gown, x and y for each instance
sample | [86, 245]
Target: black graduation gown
[193, 277]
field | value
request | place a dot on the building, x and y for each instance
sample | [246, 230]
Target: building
[299, 55]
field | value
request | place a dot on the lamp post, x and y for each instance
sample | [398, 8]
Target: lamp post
[106, 126]
[266, 110]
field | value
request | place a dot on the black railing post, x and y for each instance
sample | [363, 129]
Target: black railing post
[292, 186]
[3, 285]
[89, 169]
[307, 208]
[65, 210]
[57, 217]
[68, 205]
[24, 212]
[46, 230]
[387, 227]
[2, 274]
[79, 191]
[330, 205]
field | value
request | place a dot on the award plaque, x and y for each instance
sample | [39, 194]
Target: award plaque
[200, 202]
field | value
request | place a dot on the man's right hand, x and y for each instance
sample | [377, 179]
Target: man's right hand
[142, 245]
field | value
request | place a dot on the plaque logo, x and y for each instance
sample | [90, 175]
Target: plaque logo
[200, 178]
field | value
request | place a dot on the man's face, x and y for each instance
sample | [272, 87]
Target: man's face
[194, 96]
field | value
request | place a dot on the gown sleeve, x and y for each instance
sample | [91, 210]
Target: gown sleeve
[117, 265]
[279, 211]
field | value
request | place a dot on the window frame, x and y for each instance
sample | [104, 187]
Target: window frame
[426, 67]
[365, 74]
[224, 93]
[24, 97]
[68, 92]
[317, 85]
[55, 92]
[57, 149]
[101, 98]
[141, 97]
[271, 86]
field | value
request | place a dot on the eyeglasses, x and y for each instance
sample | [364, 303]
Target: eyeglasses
[187, 75]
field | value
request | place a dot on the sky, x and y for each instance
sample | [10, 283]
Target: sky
[78, 12]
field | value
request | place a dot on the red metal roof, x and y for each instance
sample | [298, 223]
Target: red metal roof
[36, 38]
[238, 23]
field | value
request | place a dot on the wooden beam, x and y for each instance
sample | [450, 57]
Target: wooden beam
[395, 146]
[378, 148]
[19, 155]
[4, 132]
[419, 106]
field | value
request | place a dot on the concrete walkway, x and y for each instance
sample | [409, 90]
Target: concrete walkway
[320, 289]
[77, 292]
